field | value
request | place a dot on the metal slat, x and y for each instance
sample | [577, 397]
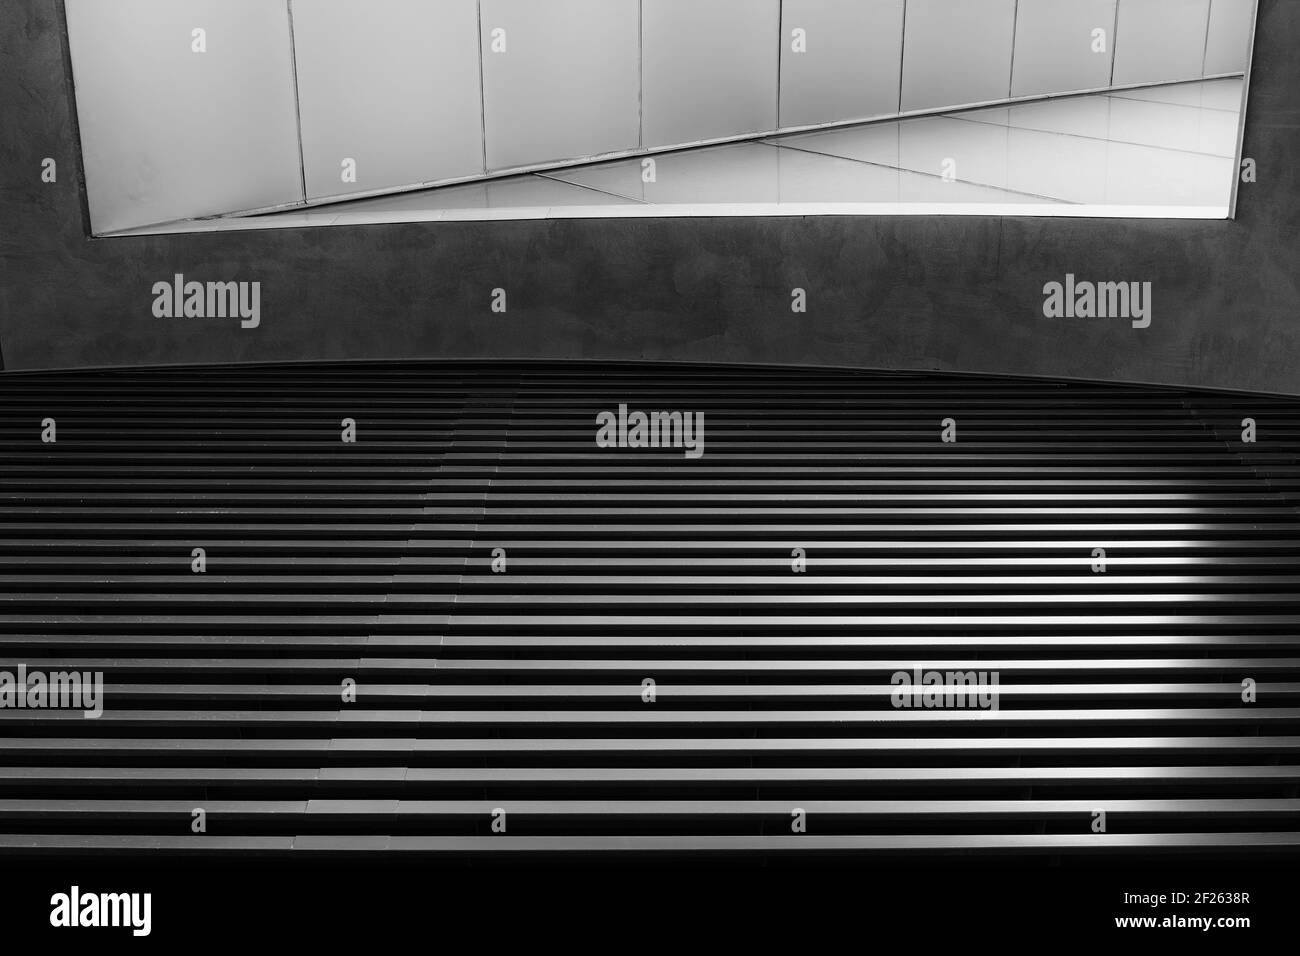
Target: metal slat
[372, 562]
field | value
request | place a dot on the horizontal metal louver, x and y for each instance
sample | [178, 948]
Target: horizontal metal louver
[514, 699]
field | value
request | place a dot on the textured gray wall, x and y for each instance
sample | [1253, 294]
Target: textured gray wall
[926, 293]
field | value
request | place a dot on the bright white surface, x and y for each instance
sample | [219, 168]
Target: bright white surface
[1141, 153]
[1227, 49]
[957, 52]
[509, 193]
[1055, 50]
[1212, 95]
[393, 85]
[767, 173]
[167, 132]
[688, 211]
[1158, 41]
[851, 66]
[568, 84]
[709, 69]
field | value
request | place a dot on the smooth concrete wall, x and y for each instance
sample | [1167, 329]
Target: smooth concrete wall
[909, 293]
